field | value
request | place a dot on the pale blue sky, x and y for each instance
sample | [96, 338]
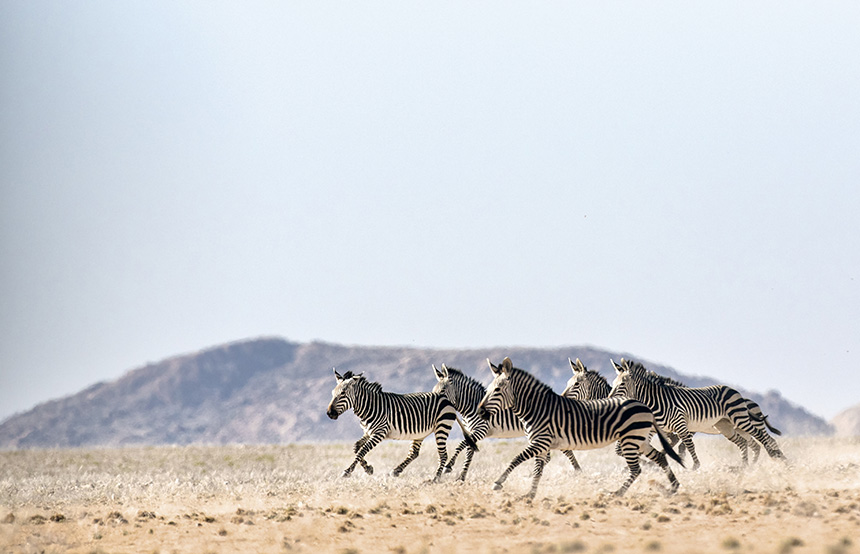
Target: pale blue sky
[676, 180]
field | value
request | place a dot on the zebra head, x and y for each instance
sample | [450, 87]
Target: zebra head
[445, 385]
[578, 387]
[499, 394]
[342, 398]
[626, 380]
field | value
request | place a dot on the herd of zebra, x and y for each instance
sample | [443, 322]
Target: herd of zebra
[588, 414]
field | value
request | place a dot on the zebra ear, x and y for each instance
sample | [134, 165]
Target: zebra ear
[507, 365]
[494, 368]
[618, 369]
[440, 373]
[337, 375]
[581, 365]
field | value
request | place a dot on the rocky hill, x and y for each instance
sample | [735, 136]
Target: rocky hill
[272, 390]
[847, 422]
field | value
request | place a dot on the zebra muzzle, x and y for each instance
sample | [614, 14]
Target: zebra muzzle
[331, 414]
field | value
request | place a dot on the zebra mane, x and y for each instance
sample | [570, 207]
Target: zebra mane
[663, 380]
[639, 370]
[370, 386]
[596, 374]
[531, 378]
[470, 381]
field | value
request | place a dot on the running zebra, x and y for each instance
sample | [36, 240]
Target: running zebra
[465, 393]
[386, 415]
[586, 385]
[684, 411]
[553, 422]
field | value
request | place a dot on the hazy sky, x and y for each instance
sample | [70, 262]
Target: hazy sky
[676, 180]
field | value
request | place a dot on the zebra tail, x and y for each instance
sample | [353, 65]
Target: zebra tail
[466, 435]
[763, 418]
[667, 447]
[773, 429]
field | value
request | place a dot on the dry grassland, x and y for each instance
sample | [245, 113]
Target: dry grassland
[292, 499]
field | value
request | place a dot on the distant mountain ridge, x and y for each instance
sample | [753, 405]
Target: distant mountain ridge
[271, 390]
[847, 422]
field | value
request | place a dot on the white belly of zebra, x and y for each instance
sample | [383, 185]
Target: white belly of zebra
[704, 426]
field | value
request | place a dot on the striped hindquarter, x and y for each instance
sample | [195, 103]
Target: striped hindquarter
[466, 393]
[555, 422]
[385, 415]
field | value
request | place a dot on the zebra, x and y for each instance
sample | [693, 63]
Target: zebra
[386, 415]
[586, 385]
[554, 422]
[683, 411]
[464, 393]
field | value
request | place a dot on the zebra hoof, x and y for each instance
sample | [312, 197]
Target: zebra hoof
[396, 473]
[368, 469]
[449, 469]
[345, 474]
[497, 486]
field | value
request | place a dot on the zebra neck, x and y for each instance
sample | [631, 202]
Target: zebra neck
[364, 403]
[468, 402]
[527, 405]
[649, 389]
[601, 390]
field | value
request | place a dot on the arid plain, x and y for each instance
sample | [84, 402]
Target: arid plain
[291, 498]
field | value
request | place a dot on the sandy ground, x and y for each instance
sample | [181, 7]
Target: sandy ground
[291, 499]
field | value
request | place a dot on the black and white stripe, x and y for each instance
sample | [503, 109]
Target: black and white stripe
[553, 422]
[386, 415]
[684, 411]
[465, 393]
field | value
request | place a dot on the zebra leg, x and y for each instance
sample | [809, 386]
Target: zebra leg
[366, 466]
[572, 458]
[477, 434]
[468, 462]
[540, 461]
[755, 447]
[364, 445]
[449, 467]
[442, 430]
[759, 434]
[630, 451]
[413, 453]
[687, 439]
[659, 458]
[530, 452]
[769, 444]
[725, 427]
[673, 440]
